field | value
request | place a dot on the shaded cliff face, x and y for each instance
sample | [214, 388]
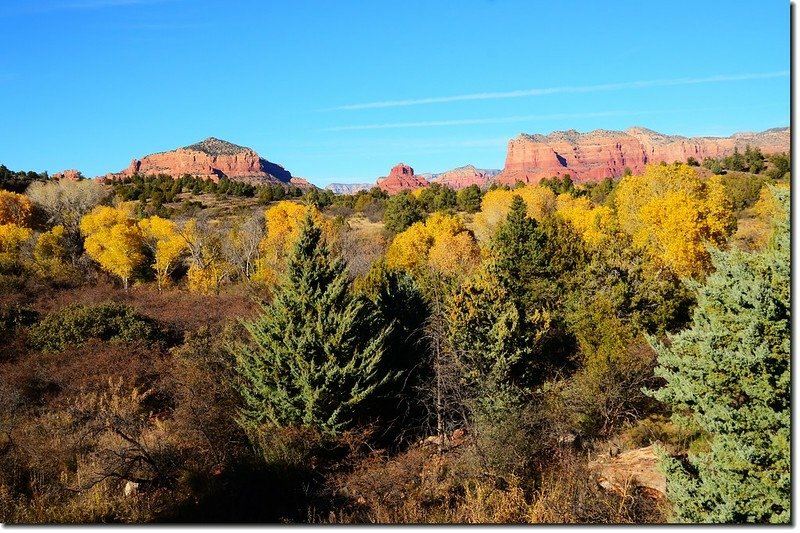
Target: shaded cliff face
[210, 159]
[401, 178]
[598, 154]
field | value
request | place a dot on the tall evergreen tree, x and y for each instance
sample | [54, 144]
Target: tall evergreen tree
[317, 350]
[517, 246]
[729, 375]
[497, 319]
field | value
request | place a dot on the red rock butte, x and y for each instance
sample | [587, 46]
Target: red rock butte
[212, 159]
[401, 178]
[600, 153]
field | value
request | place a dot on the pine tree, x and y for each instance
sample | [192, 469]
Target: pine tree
[514, 246]
[729, 375]
[316, 354]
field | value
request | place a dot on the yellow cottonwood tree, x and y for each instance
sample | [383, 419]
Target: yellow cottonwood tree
[12, 237]
[442, 241]
[161, 237]
[455, 254]
[50, 256]
[114, 240]
[673, 213]
[208, 267]
[409, 248]
[496, 205]
[14, 208]
[283, 222]
[593, 223]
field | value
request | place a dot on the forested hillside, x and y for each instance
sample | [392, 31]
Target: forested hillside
[179, 350]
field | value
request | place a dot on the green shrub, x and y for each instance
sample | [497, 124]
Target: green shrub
[402, 210]
[742, 189]
[75, 324]
[14, 316]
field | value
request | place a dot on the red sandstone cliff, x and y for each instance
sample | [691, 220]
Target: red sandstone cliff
[595, 155]
[210, 159]
[69, 175]
[401, 178]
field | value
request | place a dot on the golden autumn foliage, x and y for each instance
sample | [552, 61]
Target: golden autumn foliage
[208, 267]
[768, 207]
[50, 245]
[755, 228]
[12, 237]
[114, 240]
[50, 256]
[14, 208]
[594, 223]
[206, 279]
[283, 222]
[410, 248]
[442, 241]
[670, 211]
[167, 245]
[496, 204]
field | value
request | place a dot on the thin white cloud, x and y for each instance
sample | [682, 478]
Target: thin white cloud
[72, 5]
[473, 121]
[99, 4]
[564, 90]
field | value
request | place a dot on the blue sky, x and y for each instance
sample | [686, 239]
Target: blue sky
[343, 90]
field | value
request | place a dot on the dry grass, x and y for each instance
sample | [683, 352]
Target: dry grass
[220, 209]
[361, 224]
[752, 231]
[175, 307]
[421, 486]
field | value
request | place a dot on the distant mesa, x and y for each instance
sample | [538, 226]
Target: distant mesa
[349, 188]
[586, 157]
[213, 159]
[598, 154]
[401, 178]
[462, 177]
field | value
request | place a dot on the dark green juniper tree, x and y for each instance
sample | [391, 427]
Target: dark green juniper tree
[729, 376]
[497, 320]
[317, 350]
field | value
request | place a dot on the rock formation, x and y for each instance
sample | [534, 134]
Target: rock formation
[211, 159]
[401, 178]
[620, 473]
[301, 183]
[462, 177]
[595, 155]
[69, 175]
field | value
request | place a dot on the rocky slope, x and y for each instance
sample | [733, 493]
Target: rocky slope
[401, 178]
[595, 155]
[211, 159]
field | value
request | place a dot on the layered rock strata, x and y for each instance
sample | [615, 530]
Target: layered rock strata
[601, 153]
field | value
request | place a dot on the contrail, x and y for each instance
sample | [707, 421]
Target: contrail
[468, 121]
[563, 90]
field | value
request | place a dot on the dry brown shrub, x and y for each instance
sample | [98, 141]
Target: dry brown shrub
[422, 486]
[175, 308]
